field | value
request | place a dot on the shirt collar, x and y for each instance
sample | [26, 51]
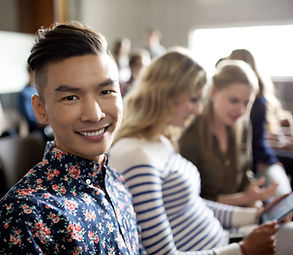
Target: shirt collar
[63, 160]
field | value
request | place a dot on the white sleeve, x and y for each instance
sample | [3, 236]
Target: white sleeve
[231, 249]
[233, 216]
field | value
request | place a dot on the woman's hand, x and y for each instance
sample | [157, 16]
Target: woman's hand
[288, 218]
[254, 192]
[252, 196]
[261, 241]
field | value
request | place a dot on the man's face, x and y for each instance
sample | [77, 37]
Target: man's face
[83, 105]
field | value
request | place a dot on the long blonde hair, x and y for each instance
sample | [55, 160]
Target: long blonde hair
[228, 73]
[149, 106]
[274, 110]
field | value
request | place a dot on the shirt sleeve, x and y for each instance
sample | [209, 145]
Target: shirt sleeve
[232, 216]
[16, 230]
[262, 152]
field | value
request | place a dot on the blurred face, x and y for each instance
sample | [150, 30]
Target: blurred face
[83, 105]
[231, 102]
[186, 106]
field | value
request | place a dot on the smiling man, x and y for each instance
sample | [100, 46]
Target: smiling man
[72, 202]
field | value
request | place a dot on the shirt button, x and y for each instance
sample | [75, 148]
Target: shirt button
[88, 181]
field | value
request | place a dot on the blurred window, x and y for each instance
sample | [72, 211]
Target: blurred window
[14, 51]
[272, 47]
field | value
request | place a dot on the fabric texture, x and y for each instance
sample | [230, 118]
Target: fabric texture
[262, 151]
[165, 188]
[68, 205]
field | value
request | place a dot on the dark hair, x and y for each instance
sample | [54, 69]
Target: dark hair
[134, 58]
[62, 41]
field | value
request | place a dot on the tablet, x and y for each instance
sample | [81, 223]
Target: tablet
[278, 210]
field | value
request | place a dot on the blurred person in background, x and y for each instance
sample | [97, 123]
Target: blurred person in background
[26, 108]
[268, 119]
[120, 52]
[139, 59]
[152, 42]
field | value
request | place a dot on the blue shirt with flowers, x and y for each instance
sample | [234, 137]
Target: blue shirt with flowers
[68, 205]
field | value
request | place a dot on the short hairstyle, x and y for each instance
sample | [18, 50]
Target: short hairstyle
[150, 104]
[59, 42]
[134, 59]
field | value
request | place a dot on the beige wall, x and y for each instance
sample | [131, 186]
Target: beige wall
[8, 15]
[176, 18]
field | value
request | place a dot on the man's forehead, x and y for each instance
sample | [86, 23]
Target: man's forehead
[81, 65]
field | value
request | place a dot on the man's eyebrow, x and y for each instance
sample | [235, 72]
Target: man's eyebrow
[107, 82]
[66, 88]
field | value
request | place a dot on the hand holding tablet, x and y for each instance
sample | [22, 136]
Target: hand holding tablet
[279, 209]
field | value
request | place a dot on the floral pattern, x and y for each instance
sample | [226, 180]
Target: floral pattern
[68, 205]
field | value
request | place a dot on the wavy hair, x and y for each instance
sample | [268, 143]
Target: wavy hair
[149, 106]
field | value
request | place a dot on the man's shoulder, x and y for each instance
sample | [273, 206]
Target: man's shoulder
[29, 187]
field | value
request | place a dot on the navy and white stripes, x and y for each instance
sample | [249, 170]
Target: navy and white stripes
[165, 188]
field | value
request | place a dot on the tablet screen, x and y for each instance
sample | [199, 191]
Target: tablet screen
[279, 210]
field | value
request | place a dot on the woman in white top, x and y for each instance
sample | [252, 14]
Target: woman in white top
[165, 186]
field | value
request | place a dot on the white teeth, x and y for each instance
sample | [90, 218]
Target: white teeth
[96, 133]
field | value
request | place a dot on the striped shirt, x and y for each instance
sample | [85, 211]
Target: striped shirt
[165, 188]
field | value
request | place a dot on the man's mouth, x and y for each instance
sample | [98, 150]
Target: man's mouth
[93, 132]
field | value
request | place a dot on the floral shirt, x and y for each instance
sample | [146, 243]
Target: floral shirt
[68, 205]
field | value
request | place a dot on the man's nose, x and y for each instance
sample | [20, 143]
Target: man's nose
[92, 111]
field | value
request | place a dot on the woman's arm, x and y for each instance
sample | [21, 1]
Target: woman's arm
[250, 195]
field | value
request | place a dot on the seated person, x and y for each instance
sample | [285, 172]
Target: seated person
[268, 119]
[138, 59]
[72, 202]
[153, 42]
[165, 186]
[218, 141]
[5, 127]
[120, 53]
[25, 103]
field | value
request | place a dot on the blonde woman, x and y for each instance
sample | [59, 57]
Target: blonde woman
[165, 186]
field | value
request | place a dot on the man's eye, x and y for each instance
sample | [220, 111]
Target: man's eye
[70, 98]
[106, 92]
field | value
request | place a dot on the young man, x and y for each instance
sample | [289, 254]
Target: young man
[72, 202]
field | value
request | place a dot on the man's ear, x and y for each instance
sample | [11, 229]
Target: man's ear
[39, 109]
